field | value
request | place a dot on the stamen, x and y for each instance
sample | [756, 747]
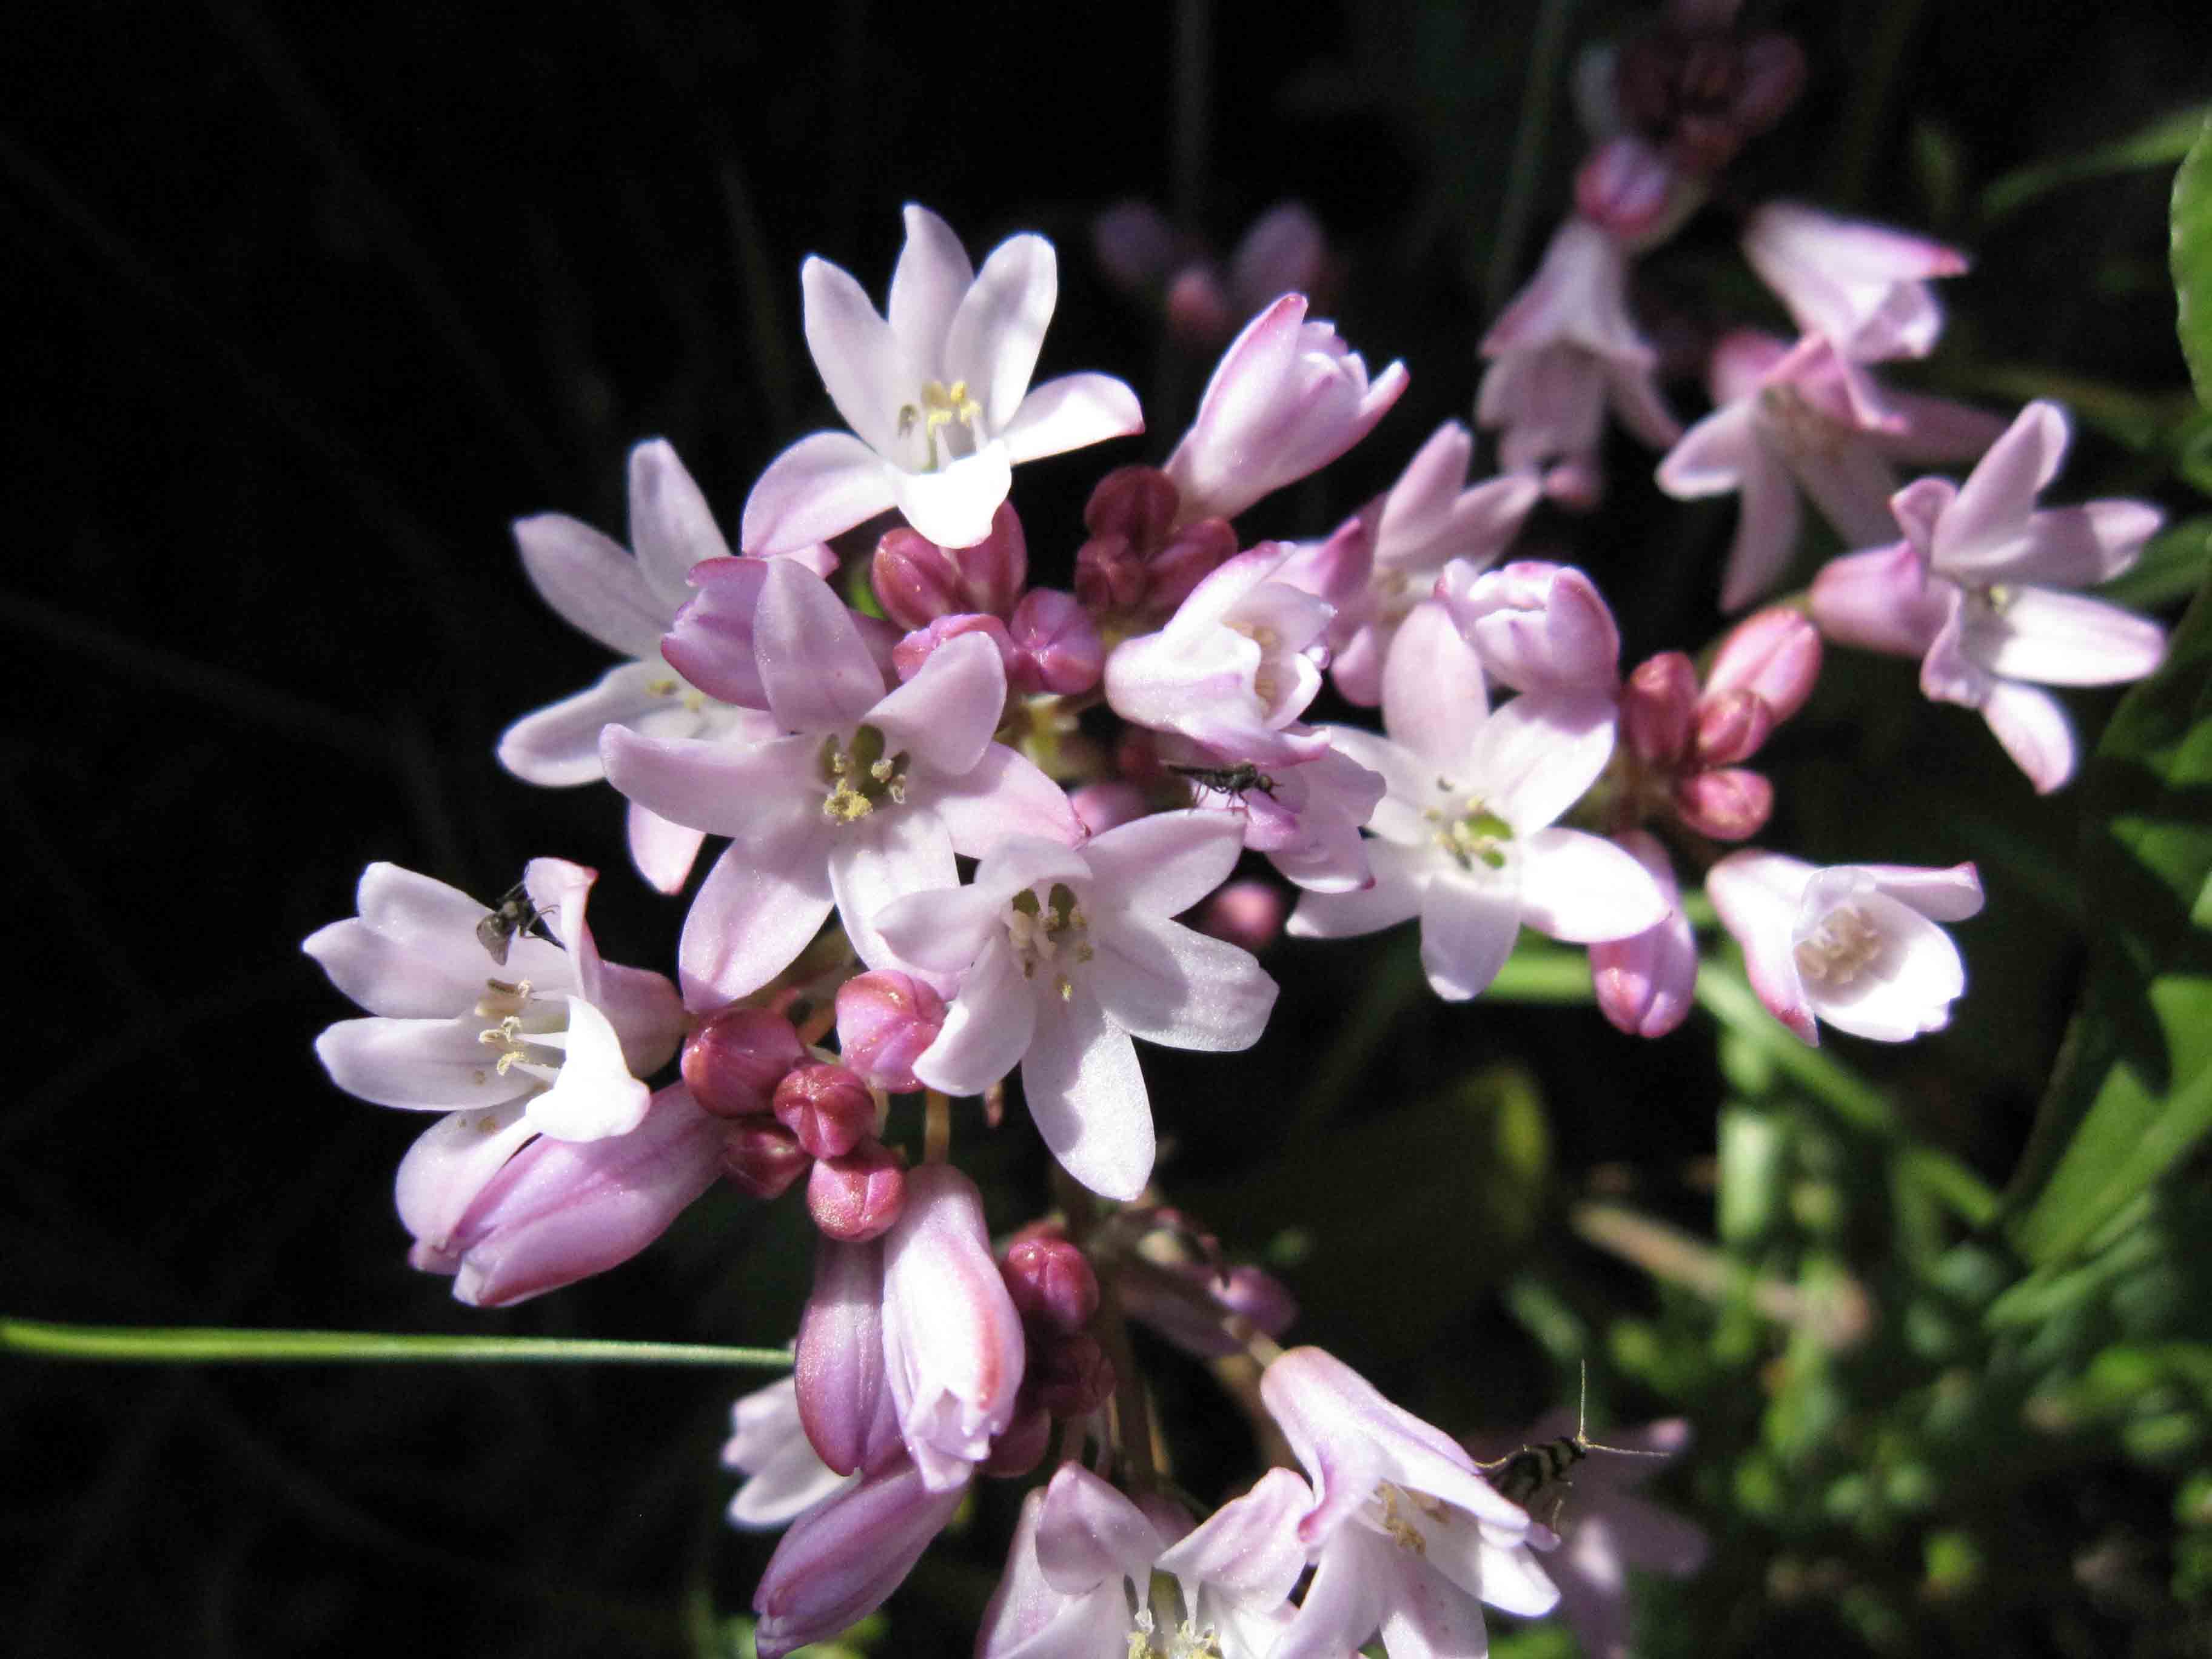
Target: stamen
[861, 776]
[1840, 949]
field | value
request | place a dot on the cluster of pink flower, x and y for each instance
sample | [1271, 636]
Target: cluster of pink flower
[852, 759]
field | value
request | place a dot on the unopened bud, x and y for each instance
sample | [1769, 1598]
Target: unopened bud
[1775, 653]
[1197, 551]
[1646, 983]
[1051, 1281]
[735, 1057]
[917, 647]
[763, 1157]
[857, 1196]
[1022, 1447]
[915, 580]
[1099, 806]
[1575, 484]
[993, 572]
[1054, 646]
[1537, 626]
[1658, 708]
[826, 1108]
[1073, 1376]
[1137, 503]
[1731, 727]
[1246, 914]
[884, 1021]
[1625, 186]
[1729, 804]
[1198, 311]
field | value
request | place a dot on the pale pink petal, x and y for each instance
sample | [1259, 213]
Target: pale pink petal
[388, 976]
[1468, 929]
[1423, 498]
[1433, 695]
[1645, 984]
[1505, 1576]
[1994, 503]
[670, 525]
[1757, 896]
[1162, 864]
[1071, 412]
[1951, 895]
[1767, 528]
[663, 852]
[883, 858]
[1632, 390]
[858, 356]
[558, 745]
[785, 1478]
[423, 1064]
[594, 1096]
[2032, 726]
[996, 334]
[1582, 888]
[2060, 639]
[987, 1027]
[710, 641]
[1881, 601]
[953, 506]
[752, 791]
[1709, 458]
[1918, 508]
[1905, 990]
[945, 928]
[2069, 546]
[819, 487]
[1395, 896]
[445, 1169]
[1180, 988]
[1853, 486]
[759, 907]
[1409, 781]
[927, 284]
[1248, 1547]
[814, 666]
[1003, 794]
[1424, 1619]
[592, 583]
[1538, 755]
[1937, 430]
[1090, 1533]
[945, 715]
[1355, 1585]
[1087, 1095]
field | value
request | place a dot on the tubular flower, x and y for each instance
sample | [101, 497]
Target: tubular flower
[1463, 839]
[627, 603]
[936, 390]
[1064, 955]
[1854, 944]
[1976, 591]
[865, 796]
[1863, 286]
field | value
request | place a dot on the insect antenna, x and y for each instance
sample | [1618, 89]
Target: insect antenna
[1582, 1423]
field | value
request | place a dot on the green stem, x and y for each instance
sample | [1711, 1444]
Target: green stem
[1546, 57]
[188, 1345]
[1543, 975]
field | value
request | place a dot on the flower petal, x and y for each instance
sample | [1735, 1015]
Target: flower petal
[1162, 864]
[423, 1064]
[1433, 694]
[996, 333]
[1994, 504]
[1090, 1532]
[1757, 896]
[1536, 757]
[445, 1169]
[1710, 457]
[857, 354]
[670, 525]
[1087, 1095]
[664, 852]
[558, 745]
[815, 666]
[1182, 989]
[1395, 896]
[987, 1027]
[1003, 794]
[2032, 726]
[2060, 639]
[953, 506]
[819, 487]
[927, 284]
[873, 863]
[1072, 412]
[1582, 888]
[594, 1096]
[757, 909]
[1767, 522]
[755, 792]
[592, 583]
[1467, 930]
[945, 715]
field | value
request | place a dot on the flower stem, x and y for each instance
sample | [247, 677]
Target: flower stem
[936, 1128]
[188, 1345]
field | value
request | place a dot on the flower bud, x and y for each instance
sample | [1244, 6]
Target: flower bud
[844, 1397]
[839, 1561]
[1537, 626]
[1110, 577]
[559, 1211]
[1574, 484]
[1022, 1447]
[1625, 185]
[1195, 552]
[1099, 806]
[710, 641]
[1731, 727]
[1198, 310]
[915, 580]
[1054, 646]
[1051, 1281]
[884, 1020]
[857, 1196]
[1775, 653]
[735, 1057]
[826, 1108]
[995, 570]
[1246, 914]
[763, 1157]
[1658, 708]
[1136, 503]
[1073, 1376]
[916, 649]
[1646, 984]
[1729, 804]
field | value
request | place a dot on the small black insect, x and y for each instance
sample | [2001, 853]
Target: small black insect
[1523, 1476]
[513, 914]
[1229, 779]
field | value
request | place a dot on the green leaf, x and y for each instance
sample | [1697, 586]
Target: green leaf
[2174, 566]
[2192, 259]
[207, 1345]
[2133, 1090]
[2164, 141]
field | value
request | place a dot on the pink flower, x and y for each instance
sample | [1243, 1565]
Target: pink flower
[1536, 626]
[1862, 286]
[1284, 251]
[1806, 418]
[953, 1351]
[1854, 944]
[1563, 349]
[627, 603]
[1430, 516]
[560, 1211]
[785, 1478]
[842, 1557]
[551, 1036]
[1409, 1537]
[1647, 982]
[1064, 955]
[1464, 838]
[1287, 399]
[1976, 591]
[938, 394]
[867, 797]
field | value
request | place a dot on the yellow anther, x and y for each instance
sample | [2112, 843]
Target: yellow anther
[1840, 949]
